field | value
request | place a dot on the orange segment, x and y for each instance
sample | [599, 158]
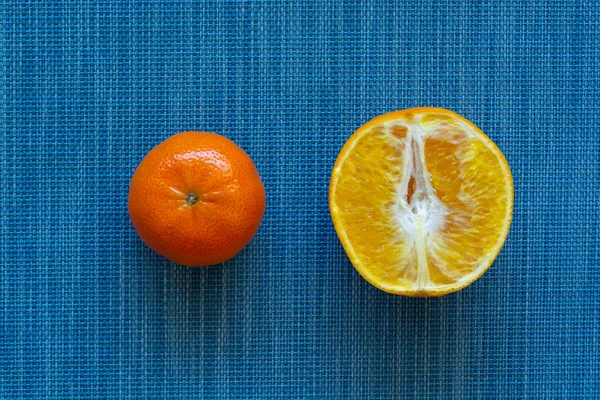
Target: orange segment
[373, 215]
[421, 200]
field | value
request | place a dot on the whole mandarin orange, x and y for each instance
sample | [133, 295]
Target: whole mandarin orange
[196, 199]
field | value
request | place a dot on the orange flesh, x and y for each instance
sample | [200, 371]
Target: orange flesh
[422, 201]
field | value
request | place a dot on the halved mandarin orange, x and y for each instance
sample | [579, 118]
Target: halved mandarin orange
[422, 201]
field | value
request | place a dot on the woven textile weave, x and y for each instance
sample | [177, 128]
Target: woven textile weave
[89, 87]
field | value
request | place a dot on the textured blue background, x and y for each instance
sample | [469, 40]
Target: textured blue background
[89, 87]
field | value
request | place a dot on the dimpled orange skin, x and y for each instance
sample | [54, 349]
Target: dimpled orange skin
[196, 199]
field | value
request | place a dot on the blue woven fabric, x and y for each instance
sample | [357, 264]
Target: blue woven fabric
[89, 87]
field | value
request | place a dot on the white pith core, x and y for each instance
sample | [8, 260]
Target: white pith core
[422, 213]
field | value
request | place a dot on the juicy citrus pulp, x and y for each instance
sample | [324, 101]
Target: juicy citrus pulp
[422, 201]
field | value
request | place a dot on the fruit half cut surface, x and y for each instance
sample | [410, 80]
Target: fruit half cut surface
[422, 201]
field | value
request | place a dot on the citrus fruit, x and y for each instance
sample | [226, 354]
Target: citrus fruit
[422, 201]
[196, 199]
